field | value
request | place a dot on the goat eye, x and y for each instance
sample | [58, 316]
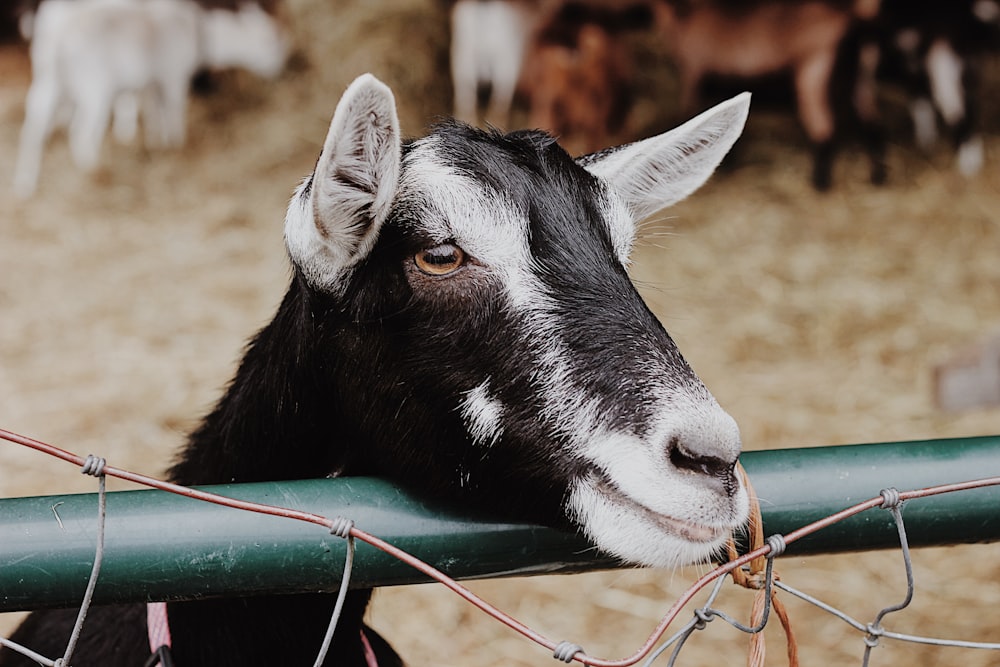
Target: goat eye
[439, 260]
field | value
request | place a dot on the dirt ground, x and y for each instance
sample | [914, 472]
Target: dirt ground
[126, 297]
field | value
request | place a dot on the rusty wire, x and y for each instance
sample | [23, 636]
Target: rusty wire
[753, 569]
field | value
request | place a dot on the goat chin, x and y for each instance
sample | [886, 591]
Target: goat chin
[640, 535]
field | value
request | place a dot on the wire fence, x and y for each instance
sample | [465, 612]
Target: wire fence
[754, 569]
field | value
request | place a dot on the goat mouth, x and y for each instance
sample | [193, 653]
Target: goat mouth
[692, 532]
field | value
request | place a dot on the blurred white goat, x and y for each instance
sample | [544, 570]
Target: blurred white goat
[248, 38]
[90, 57]
[489, 41]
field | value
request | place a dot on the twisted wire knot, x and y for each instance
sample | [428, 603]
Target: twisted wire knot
[874, 631]
[566, 650]
[890, 498]
[93, 465]
[777, 544]
[341, 527]
[704, 617]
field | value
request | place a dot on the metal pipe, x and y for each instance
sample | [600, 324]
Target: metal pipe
[163, 546]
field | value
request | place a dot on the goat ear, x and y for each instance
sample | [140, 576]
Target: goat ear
[334, 219]
[654, 173]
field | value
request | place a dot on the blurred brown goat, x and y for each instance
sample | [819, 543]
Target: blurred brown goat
[751, 39]
[578, 74]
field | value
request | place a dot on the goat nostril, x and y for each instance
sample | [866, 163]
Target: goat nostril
[719, 470]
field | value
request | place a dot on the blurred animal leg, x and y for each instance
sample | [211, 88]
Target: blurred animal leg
[87, 129]
[507, 41]
[125, 122]
[865, 101]
[812, 87]
[174, 107]
[464, 65]
[41, 107]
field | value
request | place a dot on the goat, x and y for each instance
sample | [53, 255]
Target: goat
[459, 320]
[92, 56]
[933, 50]
[22, 12]
[489, 42]
[85, 54]
[748, 40]
[248, 38]
[578, 74]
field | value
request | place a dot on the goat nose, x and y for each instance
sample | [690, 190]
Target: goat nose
[708, 451]
[719, 473]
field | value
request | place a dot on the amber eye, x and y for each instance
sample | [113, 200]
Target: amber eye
[439, 260]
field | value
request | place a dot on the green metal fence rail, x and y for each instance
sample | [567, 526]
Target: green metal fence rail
[163, 546]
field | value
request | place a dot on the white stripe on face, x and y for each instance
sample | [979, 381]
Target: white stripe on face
[452, 206]
[621, 226]
[486, 225]
[631, 500]
[495, 231]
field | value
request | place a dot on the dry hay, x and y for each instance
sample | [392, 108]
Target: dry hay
[815, 319]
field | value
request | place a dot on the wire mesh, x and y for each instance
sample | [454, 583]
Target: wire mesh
[754, 569]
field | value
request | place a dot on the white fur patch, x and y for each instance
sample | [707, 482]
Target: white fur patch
[621, 226]
[483, 415]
